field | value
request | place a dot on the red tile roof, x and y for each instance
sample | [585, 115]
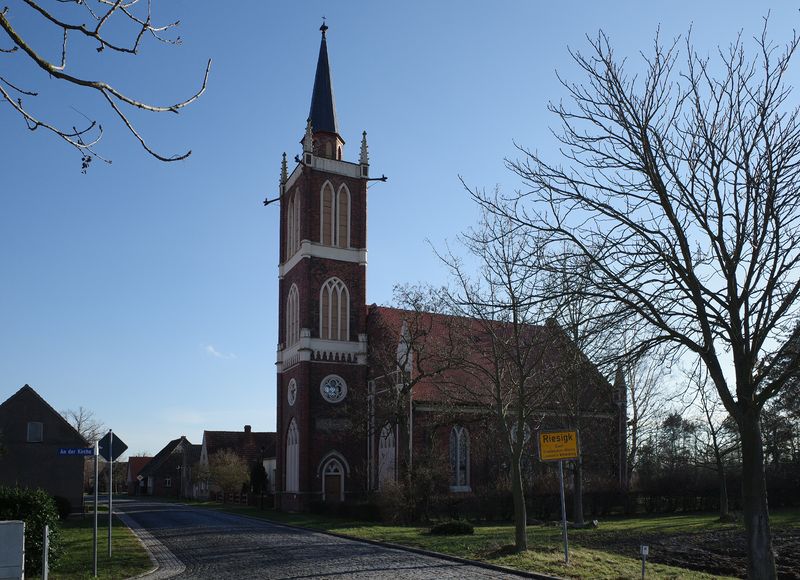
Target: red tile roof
[135, 465]
[451, 353]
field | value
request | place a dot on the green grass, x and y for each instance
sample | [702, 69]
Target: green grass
[490, 542]
[128, 556]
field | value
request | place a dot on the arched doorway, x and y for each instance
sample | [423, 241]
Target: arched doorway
[333, 482]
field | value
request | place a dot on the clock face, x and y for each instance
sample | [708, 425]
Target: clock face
[333, 389]
[291, 392]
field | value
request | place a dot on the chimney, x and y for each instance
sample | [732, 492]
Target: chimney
[247, 428]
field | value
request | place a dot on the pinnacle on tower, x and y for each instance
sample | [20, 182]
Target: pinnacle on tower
[284, 171]
[364, 157]
[308, 139]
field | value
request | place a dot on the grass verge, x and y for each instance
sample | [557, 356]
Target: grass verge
[490, 543]
[128, 556]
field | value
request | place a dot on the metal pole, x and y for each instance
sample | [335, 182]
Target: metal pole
[94, 528]
[46, 552]
[111, 484]
[563, 512]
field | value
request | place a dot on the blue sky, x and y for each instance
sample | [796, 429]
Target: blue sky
[147, 291]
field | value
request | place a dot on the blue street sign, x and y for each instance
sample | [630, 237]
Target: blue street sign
[75, 451]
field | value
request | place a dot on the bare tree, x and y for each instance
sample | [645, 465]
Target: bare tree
[517, 363]
[643, 378]
[90, 427]
[680, 187]
[426, 345]
[119, 26]
[716, 439]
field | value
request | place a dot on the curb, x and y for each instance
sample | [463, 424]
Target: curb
[165, 563]
[420, 551]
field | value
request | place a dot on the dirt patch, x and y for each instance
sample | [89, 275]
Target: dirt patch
[721, 553]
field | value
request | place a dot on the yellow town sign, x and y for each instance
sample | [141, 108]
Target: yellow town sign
[558, 445]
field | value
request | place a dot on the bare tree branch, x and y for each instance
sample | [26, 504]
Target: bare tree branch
[109, 10]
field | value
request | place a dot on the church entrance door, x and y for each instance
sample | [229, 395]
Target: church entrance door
[333, 482]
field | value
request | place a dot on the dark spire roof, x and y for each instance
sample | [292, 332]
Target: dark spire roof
[323, 105]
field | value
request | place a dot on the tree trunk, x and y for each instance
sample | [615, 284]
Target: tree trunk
[520, 513]
[723, 490]
[760, 557]
[577, 494]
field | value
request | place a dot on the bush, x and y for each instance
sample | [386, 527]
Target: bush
[63, 506]
[37, 509]
[452, 528]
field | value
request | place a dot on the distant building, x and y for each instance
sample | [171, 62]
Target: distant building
[169, 473]
[251, 446]
[31, 434]
[137, 485]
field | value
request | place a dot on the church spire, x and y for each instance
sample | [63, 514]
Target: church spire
[323, 104]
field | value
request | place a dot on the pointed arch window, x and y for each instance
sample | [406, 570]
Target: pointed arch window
[343, 217]
[335, 216]
[387, 456]
[459, 459]
[292, 316]
[293, 225]
[293, 458]
[334, 306]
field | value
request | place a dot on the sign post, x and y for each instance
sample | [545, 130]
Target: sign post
[110, 448]
[560, 446]
[46, 553]
[111, 489]
[96, 493]
[644, 551]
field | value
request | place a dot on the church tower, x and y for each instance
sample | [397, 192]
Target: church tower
[322, 341]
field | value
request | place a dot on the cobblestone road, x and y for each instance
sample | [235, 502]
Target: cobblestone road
[206, 544]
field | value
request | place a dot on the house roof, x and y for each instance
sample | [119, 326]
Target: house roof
[161, 458]
[450, 353]
[28, 393]
[323, 104]
[135, 465]
[246, 444]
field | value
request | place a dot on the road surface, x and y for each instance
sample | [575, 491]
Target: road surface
[201, 543]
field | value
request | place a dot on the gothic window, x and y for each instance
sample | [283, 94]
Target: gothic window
[334, 310]
[459, 459]
[343, 217]
[387, 456]
[335, 216]
[293, 458]
[333, 389]
[293, 225]
[292, 316]
[327, 210]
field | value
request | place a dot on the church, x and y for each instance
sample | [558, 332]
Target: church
[356, 412]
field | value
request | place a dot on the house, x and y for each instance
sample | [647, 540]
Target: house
[328, 379]
[169, 472]
[32, 437]
[136, 484]
[251, 446]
